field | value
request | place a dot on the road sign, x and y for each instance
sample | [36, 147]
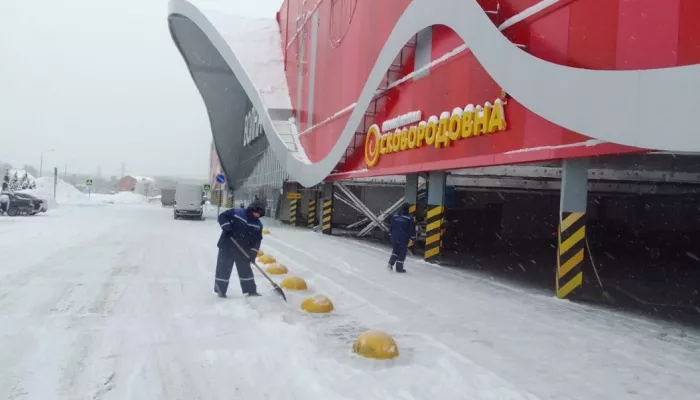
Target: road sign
[294, 196]
[88, 182]
[221, 178]
[206, 187]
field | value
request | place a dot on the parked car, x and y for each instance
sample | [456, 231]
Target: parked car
[24, 204]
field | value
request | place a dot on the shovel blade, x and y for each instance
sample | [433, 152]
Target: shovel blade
[280, 292]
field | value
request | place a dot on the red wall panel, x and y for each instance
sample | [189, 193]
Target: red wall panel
[689, 33]
[594, 34]
[593, 24]
[647, 35]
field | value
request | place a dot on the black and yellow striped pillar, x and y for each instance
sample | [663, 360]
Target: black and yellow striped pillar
[229, 201]
[572, 227]
[327, 217]
[433, 232]
[434, 215]
[311, 219]
[411, 196]
[293, 212]
[327, 213]
[572, 251]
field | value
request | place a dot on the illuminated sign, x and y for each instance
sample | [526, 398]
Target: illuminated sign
[438, 132]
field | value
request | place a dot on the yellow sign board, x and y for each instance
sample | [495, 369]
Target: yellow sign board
[439, 132]
[294, 196]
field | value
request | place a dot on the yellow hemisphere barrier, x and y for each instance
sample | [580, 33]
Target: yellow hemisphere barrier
[293, 283]
[261, 253]
[266, 231]
[276, 269]
[266, 259]
[317, 304]
[376, 344]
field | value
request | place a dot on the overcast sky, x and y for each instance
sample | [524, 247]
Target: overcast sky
[100, 82]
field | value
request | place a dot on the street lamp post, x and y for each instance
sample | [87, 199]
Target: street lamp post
[41, 162]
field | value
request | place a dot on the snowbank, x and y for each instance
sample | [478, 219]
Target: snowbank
[20, 174]
[120, 198]
[67, 194]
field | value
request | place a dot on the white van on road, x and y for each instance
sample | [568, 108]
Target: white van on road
[189, 202]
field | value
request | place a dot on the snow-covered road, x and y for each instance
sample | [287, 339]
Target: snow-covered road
[116, 302]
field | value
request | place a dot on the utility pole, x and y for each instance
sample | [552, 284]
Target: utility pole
[55, 181]
[41, 162]
[123, 170]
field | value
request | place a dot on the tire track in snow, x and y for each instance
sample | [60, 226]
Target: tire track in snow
[90, 366]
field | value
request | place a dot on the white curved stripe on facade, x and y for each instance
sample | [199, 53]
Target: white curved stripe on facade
[651, 109]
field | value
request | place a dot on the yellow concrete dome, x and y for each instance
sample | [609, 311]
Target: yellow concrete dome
[293, 283]
[261, 253]
[266, 259]
[376, 344]
[317, 304]
[276, 269]
[266, 231]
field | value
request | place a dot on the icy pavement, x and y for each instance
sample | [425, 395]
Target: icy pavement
[116, 302]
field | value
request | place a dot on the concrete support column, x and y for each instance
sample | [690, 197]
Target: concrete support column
[572, 227]
[293, 201]
[412, 199]
[327, 215]
[293, 211]
[230, 203]
[435, 213]
[311, 211]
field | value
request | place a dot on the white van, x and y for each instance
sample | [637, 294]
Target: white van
[189, 202]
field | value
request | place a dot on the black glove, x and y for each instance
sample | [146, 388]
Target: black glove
[252, 254]
[228, 228]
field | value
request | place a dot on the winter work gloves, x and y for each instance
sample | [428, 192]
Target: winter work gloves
[252, 254]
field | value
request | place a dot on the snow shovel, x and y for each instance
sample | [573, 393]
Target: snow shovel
[277, 288]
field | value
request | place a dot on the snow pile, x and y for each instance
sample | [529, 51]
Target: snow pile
[120, 198]
[65, 192]
[20, 173]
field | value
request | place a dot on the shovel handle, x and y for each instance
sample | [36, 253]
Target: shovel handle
[252, 261]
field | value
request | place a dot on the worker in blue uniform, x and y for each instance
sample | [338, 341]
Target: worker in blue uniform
[401, 231]
[243, 226]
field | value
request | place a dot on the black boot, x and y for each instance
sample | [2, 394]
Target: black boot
[254, 294]
[219, 293]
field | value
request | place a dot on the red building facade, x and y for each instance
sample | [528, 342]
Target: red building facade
[588, 34]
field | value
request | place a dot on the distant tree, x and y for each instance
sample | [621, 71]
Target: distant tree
[6, 181]
[14, 183]
[24, 182]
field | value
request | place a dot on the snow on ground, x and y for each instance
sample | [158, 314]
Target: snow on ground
[117, 303]
[120, 198]
[67, 194]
